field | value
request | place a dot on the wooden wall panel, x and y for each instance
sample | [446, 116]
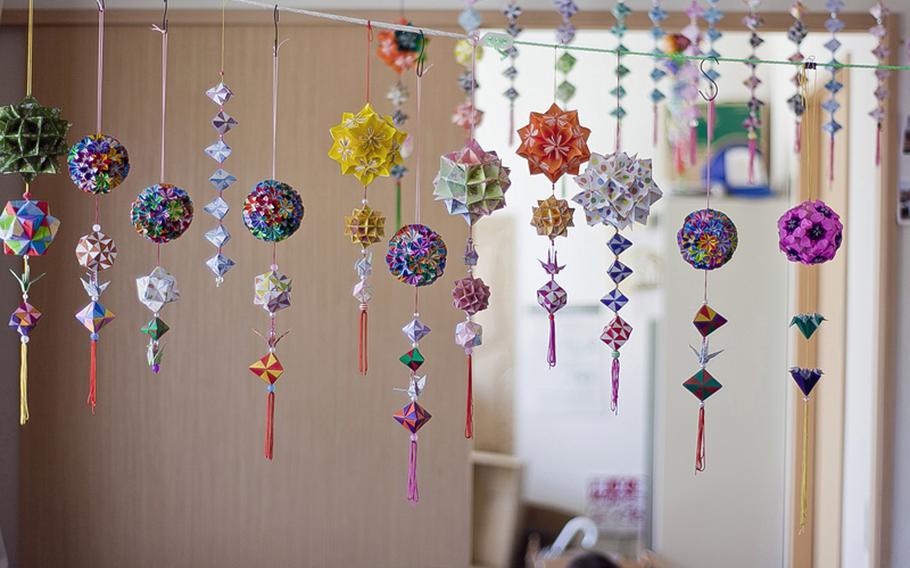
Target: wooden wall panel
[170, 470]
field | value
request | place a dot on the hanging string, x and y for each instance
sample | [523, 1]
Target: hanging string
[369, 52]
[223, 3]
[275, 49]
[420, 70]
[28, 59]
[100, 63]
[162, 29]
[474, 40]
[618, 103]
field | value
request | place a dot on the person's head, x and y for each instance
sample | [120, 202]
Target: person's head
[592, 560]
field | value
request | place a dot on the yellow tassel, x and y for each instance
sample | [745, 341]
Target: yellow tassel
[804, 482]
[23, 384]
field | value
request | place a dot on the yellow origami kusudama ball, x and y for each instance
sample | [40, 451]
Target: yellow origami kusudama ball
[366, 145]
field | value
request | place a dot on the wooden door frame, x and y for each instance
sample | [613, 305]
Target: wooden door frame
[884, 373]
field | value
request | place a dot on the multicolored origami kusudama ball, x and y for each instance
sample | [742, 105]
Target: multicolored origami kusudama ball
[27, 227]
[96, 251]
[471, 295]
[707, 239]
[32, 137]
[98, 163]
[416, 255]
[273, 211]
[810, 233]
[162, 212]
[472, 182]
[554, 143]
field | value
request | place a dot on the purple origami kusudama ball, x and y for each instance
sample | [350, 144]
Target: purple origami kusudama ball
[810, 233]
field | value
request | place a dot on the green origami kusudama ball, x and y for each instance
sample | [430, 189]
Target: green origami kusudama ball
[32, 138]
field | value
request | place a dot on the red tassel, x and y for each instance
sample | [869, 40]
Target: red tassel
[712, 120]
[753, 148]
[700, 461]
[798, 145]
[693, 145]
[413, 492]
[270, 425]
[362, 347]
[878, 145]
[91, 376]
[469, 405]
[614, 399]
[551, 347]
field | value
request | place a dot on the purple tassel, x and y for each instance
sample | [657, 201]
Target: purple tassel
[614, 401]
[753, 149]
[413, 493]
[551, 352]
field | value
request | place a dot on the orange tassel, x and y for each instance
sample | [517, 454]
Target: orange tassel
[363, 347]
[270, 426]
[91, 378]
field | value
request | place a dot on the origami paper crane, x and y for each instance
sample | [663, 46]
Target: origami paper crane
[472, 182]
[96, 251]
[807, 323]
[27, 228]
[94, 316]
[806, 379]
[268, 368]
[616, 190]
[702, 384]
[552, 217]
[157, 289]
[366, 145]
[365, 226]
[413, 417]
[272, 291]
[707, 321]
[471, 295]
[32, 138]
[554, 143]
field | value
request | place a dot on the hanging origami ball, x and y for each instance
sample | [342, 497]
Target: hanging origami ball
[554, 143]
[810, 233]
[162, 212]
[157, 289]
[96, 251]
[472, 182]
[98, 163]
[467, 115]
[27, 228]
[366, 145]
[400, 50]
[552, 217]
[617, 190]
[707, 239]
[272, 291]
[273, 211]
[32, 137]
[365, 226]
[24, 318]
[471, 295]
[416, 255]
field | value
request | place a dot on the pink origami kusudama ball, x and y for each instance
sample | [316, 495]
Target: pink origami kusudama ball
[810, 233]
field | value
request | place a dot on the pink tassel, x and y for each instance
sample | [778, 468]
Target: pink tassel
[798, 145]
[362, 347]
[270, 426]
[511, 124]
[878, 145]
[469, 404]
[551, 351]
[693, 145]
[92, 376]
[700, 461]
[753, 149]
[413, 492]
[831, 159]
[654, 126]
[712, 119]
[614, 400]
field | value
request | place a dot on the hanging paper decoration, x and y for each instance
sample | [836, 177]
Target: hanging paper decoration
[565, 34]
[416, 256]
[616, 190]
[400, 50]
[713, 15]
[682, 107]
[881, 52]
[472, 183]
[554, 143]
[796, 33]
[272, 212]
[32, 139]
[657, 15]
[97, 164]
[161, 213]
[707, 241]
[366, 146]
[833, 86]
[512, 11]
[620, 12]
[753, 123]
[467, 54]
[220, 179]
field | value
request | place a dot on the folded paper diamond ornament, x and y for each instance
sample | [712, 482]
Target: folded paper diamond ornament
[268, 368]
[413, 417]
[707, 321]
[94, 316]
[702, 384]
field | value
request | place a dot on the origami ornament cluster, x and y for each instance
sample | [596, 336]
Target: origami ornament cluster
[703, 384]
[155, 291]
[220, 179]
[707, 239]
[472, 182]
[681, 104]
[620, 11]
[797, 33]
[416, 255]
[272, 211]
[657, 15]
[616, 190]
[881, 52]
[810, 233]
[32, 139]
[98, 163]
[162, 212]
[565, 34]
[467, 53]
[753, 123]
[512, 11]
[834, 25]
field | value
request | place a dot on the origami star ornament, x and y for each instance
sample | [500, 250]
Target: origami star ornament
[616, 190]
[24, 318]
[472, 182]
[96, 251]
[32, 138]
[27, 228]
[366, 145]
[365, 226]
[268, 368]
[157, 289]
[554, 143]
[552, 217]
[94, 316]
[272, 291]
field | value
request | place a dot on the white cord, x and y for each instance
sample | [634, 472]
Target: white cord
[357, 21]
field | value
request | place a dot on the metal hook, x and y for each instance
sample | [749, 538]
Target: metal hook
[276, 18]
[714, 88]
[100, 5]
[421, 57]
[164, 18]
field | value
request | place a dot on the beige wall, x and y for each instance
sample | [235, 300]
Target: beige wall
[170, 470]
